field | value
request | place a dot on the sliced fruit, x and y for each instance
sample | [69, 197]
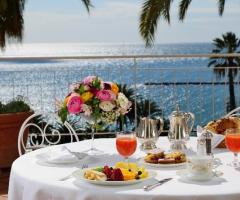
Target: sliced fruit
[128, 175]
[107, 171]
[117, 175]
[121, 165]
[99, 169]
[144, 175]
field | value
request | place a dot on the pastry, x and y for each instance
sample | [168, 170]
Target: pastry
[221, 125]
[178, 156]
[154, 155]
[157, 157]
[166, 161]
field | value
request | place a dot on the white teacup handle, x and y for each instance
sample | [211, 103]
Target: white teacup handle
[216, 162]
[217, 173]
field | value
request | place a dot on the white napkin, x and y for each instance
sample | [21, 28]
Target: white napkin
[58, 155]
[216, 140]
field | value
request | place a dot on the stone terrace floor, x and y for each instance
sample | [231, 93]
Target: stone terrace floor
[4, 178]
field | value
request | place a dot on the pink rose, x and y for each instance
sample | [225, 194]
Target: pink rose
[74, 104]
[88, 80]
[106, 95]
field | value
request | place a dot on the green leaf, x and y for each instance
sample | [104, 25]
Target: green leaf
[81, 89]
[97, 83]
[63, 113]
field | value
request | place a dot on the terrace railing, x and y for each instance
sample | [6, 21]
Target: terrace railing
[165, 79]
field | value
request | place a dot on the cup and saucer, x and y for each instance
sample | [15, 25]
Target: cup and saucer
[199, 168]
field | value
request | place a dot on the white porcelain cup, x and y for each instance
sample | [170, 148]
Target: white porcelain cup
[200, 167]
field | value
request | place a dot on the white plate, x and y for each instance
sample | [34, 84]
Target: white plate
[79, 175]
[159, 165]
[47, 158]
[184, 175]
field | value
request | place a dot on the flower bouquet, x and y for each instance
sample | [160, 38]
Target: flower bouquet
[95, 100]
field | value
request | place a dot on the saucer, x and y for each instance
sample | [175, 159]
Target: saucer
[184, 175]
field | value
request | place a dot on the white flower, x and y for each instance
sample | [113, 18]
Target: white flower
[108, 117]
[106, 106]
[74, 87]
[86, 109]
[86, 87]
[123, 101]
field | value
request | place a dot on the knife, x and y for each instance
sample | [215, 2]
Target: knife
[150, 187]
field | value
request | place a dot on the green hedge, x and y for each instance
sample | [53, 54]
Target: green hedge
[14, 106]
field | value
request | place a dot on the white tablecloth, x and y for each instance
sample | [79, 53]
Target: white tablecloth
[32, 180]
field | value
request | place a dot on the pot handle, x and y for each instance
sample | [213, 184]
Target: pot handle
[192, 117]
[161, 125]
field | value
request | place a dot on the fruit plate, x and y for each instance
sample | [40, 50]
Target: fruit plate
[79, 175]
[159, 165]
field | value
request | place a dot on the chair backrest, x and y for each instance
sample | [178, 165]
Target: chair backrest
[46, 132]
[235, 112]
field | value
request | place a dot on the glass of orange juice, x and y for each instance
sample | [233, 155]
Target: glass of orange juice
[126, 144]
[232, 140]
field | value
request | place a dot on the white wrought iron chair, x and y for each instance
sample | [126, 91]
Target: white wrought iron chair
[234, 113]
[27, 141]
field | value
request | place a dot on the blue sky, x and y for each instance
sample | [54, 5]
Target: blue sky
[117, 21]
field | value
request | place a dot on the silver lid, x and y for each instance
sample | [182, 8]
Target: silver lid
[177, 112]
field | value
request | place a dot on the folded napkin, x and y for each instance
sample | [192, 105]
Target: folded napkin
[216, 139]
[58, 155]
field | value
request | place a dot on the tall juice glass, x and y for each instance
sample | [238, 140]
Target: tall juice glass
[232, 140]
[126, 144]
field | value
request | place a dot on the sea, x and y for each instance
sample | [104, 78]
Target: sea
[188, 82]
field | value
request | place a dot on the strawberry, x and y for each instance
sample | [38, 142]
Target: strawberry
[117, 175]
[107, 171]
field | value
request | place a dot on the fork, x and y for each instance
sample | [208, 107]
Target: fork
[70, 175]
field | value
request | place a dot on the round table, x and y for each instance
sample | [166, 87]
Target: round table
[31, 180]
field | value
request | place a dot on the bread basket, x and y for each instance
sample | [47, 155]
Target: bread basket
[231, 120]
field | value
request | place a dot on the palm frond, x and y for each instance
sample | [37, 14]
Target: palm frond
[183, 7]
[212, 62]
[219, 43]
[11, 20]
[152, 10]
[221, 5]
[87, 4]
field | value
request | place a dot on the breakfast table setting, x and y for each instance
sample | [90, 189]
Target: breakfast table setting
[31, 179]
[136, 164]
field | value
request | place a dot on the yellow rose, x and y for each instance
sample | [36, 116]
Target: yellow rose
[86, 96]
[115, 88]
[66, 100]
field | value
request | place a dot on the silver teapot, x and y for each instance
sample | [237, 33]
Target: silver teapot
[148, 132]
[181, 125]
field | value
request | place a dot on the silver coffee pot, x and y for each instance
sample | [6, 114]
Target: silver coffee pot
[148, 132]
[181, 125]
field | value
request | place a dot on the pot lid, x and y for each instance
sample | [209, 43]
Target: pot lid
[177, 112]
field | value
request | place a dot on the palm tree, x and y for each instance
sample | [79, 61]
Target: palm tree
[229, 43]
[12, 22]
[153, 10]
